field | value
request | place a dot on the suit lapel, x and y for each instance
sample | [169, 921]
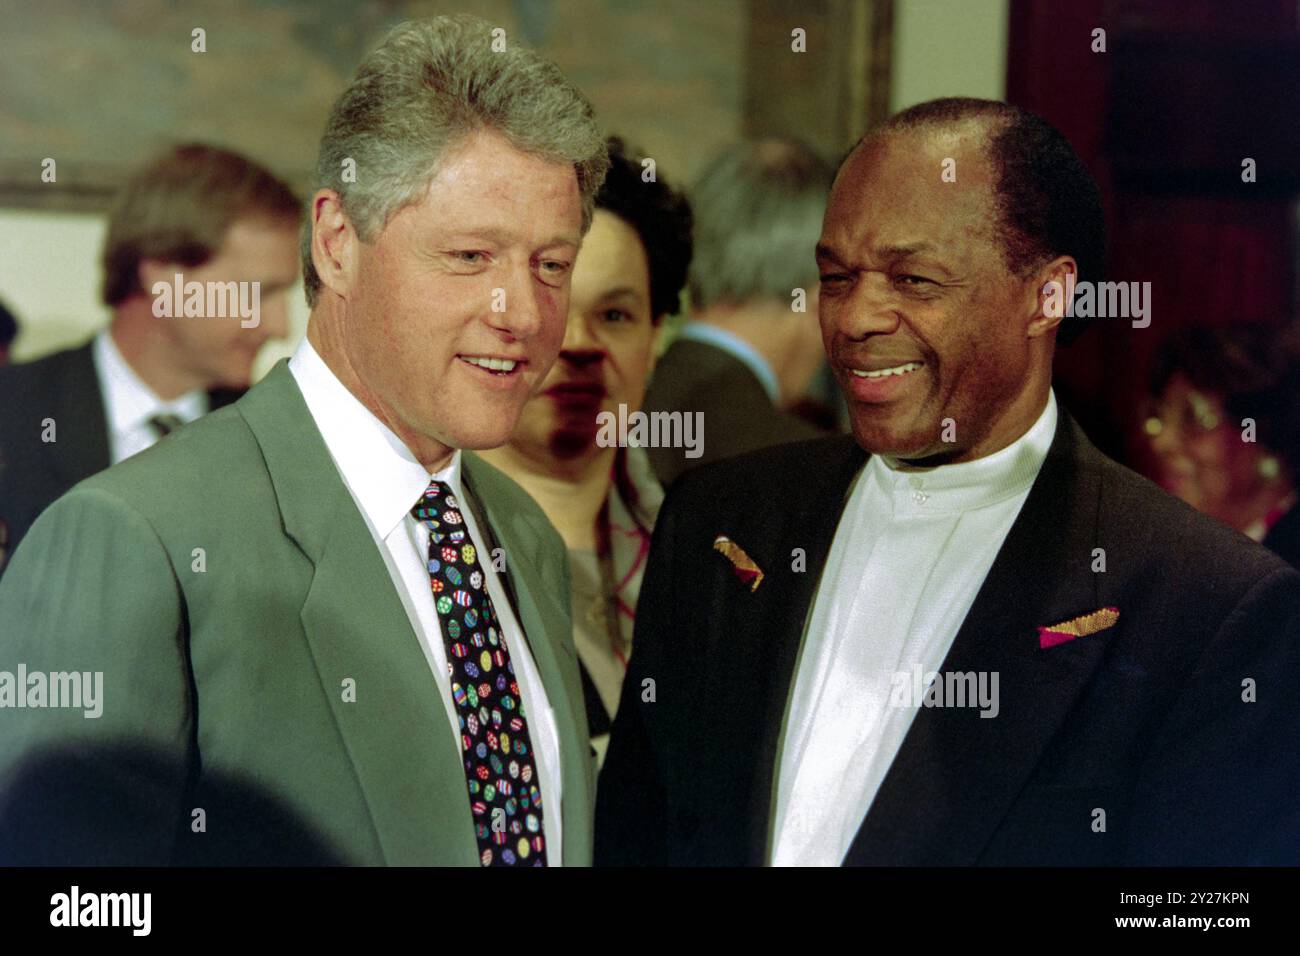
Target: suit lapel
[810, 517]
[956, 773]
[82, 447]
[395, 732]
[541, 603]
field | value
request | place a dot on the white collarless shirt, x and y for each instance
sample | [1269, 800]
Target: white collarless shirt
[385, 481]
[129, 403]
[911, 551]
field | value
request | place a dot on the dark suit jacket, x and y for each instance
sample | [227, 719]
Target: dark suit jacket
[738, 415]
[63, 386]
[1283, 539]
[1145, 720]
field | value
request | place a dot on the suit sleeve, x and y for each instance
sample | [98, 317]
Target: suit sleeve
[1218, 784]
[92, 591]
[631, 802]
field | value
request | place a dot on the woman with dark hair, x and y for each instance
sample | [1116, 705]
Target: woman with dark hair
[604, 500]
[1226, 427]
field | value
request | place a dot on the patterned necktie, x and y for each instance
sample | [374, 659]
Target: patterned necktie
[165, 424]
[504, 789]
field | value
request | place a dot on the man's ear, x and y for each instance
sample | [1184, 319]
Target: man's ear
[152, 271]
[1053, 290]
[334, 243]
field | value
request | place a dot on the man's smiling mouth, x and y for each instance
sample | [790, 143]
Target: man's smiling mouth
[903, 369]
[496, 366]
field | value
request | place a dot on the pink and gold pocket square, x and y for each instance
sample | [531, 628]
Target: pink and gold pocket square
[1080, 626]
[741, 563]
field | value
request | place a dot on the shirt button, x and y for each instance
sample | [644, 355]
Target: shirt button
[920, 497]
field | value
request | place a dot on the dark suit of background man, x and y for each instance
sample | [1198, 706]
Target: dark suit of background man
[746, 354]
[207, 214]
[1144, 714]
[317, 619]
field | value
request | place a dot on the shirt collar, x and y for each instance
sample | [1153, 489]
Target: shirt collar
[968, 485]
[128, 401]
[738, 349]
[384, 477]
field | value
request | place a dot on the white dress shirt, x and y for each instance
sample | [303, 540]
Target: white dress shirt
[385, 481]
[909, 556]
[129, 403]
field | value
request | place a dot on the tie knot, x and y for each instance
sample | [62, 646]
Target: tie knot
[166, 423]
[437, 501]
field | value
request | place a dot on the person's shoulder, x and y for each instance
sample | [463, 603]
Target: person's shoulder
[21, 380]
[774, 471]
[210, 458]
[692, 373]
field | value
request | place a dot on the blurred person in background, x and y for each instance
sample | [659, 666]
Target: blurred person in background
[1205, 383]
[604, 500]
[208, 215]
[745, 355]
[8, 332]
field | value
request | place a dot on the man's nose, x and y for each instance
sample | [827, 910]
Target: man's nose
[514, 307]
[870, 308]
[580, 358]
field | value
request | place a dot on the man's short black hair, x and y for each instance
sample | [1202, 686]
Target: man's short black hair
[662, 219]
[1048, 202]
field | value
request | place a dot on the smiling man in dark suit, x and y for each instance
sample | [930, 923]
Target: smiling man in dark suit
[963, 636]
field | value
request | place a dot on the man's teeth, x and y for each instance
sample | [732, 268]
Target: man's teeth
[492, 364]
[881, 373]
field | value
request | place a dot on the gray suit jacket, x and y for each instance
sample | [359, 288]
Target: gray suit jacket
[223, 687]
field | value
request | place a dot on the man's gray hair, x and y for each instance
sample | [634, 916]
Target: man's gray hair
[428, 86]
[758, 215]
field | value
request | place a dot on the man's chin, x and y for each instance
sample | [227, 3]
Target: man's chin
[481, 440]
[892, 442]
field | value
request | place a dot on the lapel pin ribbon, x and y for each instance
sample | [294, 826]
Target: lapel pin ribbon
[1081, 626]
[741, 563]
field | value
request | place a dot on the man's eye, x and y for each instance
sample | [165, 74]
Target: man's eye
[832, 278]
[470, 258]
[616, 315]
[553, 271]
[915, 280]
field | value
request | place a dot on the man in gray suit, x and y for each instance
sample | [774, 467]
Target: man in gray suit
[314, 627]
